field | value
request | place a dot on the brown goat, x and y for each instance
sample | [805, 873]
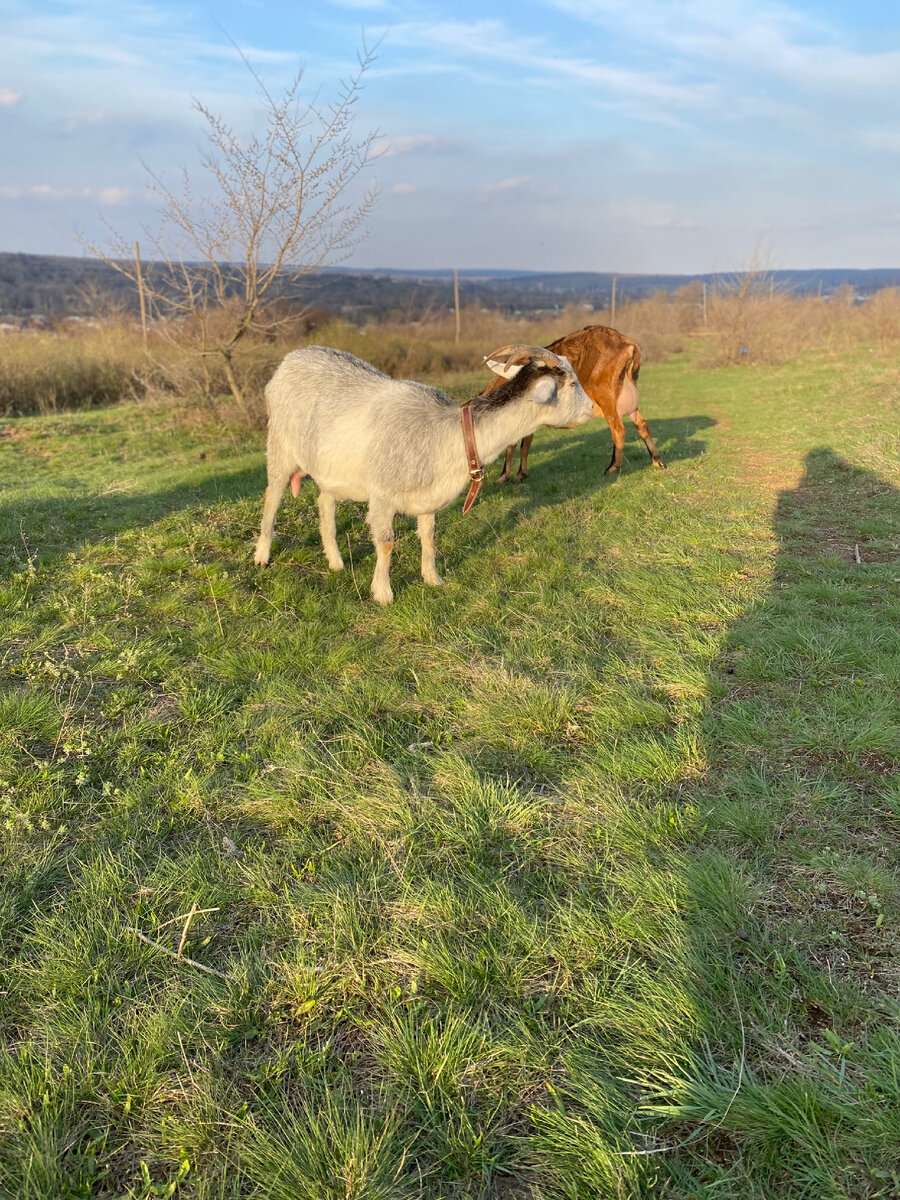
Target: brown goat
[607, 365]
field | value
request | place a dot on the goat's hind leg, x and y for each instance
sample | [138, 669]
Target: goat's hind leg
[644, 430]
[278, 481]
[425, 526]
[328, 531]
[617, 429]
[381, 523]
[523, 457]
[510, 451]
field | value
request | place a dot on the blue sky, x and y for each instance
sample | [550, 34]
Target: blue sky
[623, 135]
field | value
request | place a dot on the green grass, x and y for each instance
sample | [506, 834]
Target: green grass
[575, 878]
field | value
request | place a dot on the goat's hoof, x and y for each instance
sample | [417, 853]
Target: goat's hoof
[383, 598]
[261, 560]
[336, 564]
[521, 477]
[610, 470]
[659, 464]
[433, 580]
[504, 478]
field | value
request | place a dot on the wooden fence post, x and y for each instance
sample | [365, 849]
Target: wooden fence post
[456, 300]
[140, 283]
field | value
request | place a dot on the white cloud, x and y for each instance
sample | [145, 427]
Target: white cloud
[653, 92]
[46, 191]
[87, 116]
[403, 189]
[882, 141]
[505, 185]
[647, 215]
[113, 195]
[744, 36]
[389, 147]
[253, 54]
[8, 97]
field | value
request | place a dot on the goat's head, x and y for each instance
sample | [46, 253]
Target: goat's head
[548, 380]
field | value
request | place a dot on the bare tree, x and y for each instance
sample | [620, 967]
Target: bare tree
[272, 208]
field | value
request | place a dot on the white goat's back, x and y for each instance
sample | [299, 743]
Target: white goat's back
[345, 423]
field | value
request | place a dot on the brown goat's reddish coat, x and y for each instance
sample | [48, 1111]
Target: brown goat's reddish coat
[602, 359]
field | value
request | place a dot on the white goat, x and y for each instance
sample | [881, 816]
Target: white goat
[397, 444]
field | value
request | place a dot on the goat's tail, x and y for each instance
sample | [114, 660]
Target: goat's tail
[634, 363]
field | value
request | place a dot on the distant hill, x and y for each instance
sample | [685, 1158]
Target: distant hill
[55, 286]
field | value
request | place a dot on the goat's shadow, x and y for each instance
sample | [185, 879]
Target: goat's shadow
[573, 465]
[48, 528]
[570, 465]
[591, 446]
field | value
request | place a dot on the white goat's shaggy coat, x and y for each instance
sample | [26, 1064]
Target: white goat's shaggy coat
[394, 443]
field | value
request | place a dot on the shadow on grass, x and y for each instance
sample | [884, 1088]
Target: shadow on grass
[45, 529]
[591, 446]
[570, 467]
[793, 892]
[456, 993]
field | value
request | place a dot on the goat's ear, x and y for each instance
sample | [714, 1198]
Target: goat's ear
[502, 366]
[544, 391]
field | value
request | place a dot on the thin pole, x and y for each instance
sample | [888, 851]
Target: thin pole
[612, 306]
[140, 283]
[456, 299]
[704, 305]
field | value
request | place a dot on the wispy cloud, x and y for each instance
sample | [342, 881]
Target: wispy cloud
[763, 40]
[881, 141]
[642, 134]
[411, 143]
[360, 4]
[514, 183]
[645, 214]
[113, 196]
[87, 116]
[46, 191]
[616, 86]
[108, 196]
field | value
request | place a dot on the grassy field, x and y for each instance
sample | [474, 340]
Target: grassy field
[577, 878]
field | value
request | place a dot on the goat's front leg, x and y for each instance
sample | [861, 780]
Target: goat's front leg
[381, 523]
[426, 537]
[328, 532]
[278, 479]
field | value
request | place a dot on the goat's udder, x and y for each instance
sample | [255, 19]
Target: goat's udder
[296, 480]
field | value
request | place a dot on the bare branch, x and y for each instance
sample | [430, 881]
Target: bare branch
[270, 209]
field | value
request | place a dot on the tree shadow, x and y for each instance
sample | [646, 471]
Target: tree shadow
[793, 889]
[45, 529]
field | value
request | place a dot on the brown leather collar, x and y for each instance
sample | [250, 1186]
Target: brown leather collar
[476, 470]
